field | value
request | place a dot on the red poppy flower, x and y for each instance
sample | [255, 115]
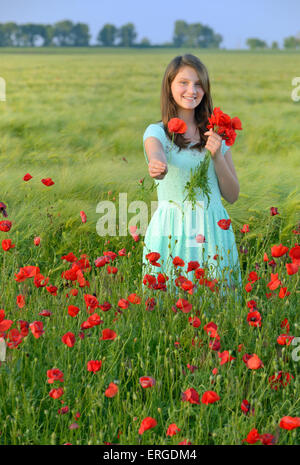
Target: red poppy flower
[153, 257]
[292, 268]
[194, 321]
[40, 281]
[112, 390]
[172, 429]
[108, 335]
[83, 216]
[73, 311]
[177, 261]
[283, 292]
[177, 125]
[252, 361]
[285, 324]
[274, 211]
[245, 228]
[27, 177]
[279, 250]
[146, 424]
[294, 253]
[47, 182]
[211, 329]
[15, 338]
[190, 395]
[94, 365]
[246, 407]
[45, 313]
[253, 276]
[63, 410]
[134, 298]
[5, 225]
[184, 305]
[56, 393]
[20, 300]
[274, 283]
[52, 290]
[192, 265]
[185, 442]
[7, 245]
[289, 422]
[147, 381]
[37, 240]
[24, 327]
[215, 344]
[37, 328]
[225, 357]
[209, 397]
[285, 339]
[91, 302]
[69, 339]
[123, 303]
[105, 306]
[55, 375]
[267, 439]
[254, 318]
[253, 437]
[224, 224]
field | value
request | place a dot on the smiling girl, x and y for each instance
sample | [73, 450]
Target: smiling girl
[176, 230]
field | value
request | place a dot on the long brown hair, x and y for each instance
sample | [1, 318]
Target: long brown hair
[169, 107]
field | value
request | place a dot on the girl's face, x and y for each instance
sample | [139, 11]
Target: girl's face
[186, 88]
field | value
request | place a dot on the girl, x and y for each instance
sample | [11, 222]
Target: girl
[176, 230]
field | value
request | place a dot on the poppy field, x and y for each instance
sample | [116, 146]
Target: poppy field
[95, 350]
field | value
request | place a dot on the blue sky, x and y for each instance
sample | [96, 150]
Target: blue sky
[235, 20]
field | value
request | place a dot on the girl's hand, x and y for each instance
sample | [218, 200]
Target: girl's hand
[213, 143]
[157, 169]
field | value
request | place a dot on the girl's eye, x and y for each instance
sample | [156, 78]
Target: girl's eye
[184, 82]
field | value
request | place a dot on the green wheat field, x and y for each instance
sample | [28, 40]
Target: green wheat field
[78, 117]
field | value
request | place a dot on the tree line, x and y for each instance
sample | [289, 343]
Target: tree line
[66, 33]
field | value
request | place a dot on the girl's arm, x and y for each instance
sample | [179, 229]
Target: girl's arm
[157, 166]
[228, 181]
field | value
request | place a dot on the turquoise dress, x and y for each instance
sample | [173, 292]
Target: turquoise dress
[175, 220]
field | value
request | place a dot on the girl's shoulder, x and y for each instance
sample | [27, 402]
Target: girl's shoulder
[156, 130]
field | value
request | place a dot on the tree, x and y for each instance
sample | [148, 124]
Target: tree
[180, 36]
[127, 35]
[254, 43]
[9, 34]
[30, 33]
[62, 32]
[47, 34]
[80, 35]
[291, 42]
[107, 35]
[195, 35]
[145, 42]
[274, 45]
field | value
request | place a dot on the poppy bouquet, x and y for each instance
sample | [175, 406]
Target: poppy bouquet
[225, 126]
